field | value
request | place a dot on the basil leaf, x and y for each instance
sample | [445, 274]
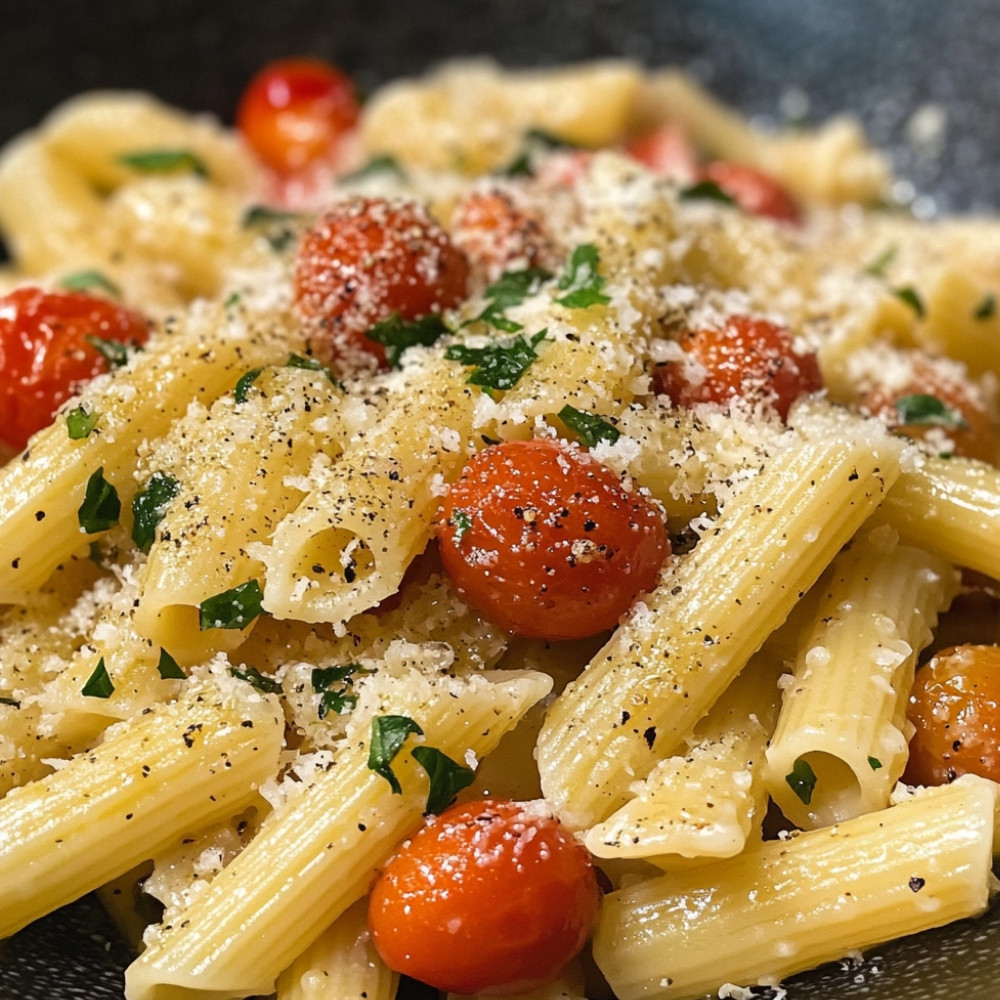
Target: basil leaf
[234, 608]
[101, 507]
[311, 364]
[588, 427]
[920, 408]
[911, 297]
[164, 161]
[874, 763]
[447, 777]
[263, 683]
[462, 522]
[83, 281]
[581, 281]
[99, 683]
[880, 264]
[802, 780]
[497, 366]
[511, 289]
[243, 384]
[389, 733]
[705, 191]
[114, 351]
[168, 667]
[79, 423]
[987, 308]
[338, 700]
[148, 507]
[382, 163]
[397, 334]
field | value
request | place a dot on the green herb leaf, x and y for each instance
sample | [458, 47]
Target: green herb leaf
[84, 281]
[339, 700]
[447, 776]
[148, 507]
[497, 366]
[462, 522]
[987, 308]
[911, 297]
[276, 225]
[397, 334]
[164, 161]
[880, 264]
[920, 408]
[263, 683]
[114, 351]
[310, 364]
[874, 763]
[9, 701]
[590, 428]
[581, 280]
[169, 668]
[802, 780]
[705, 191]
[101, 507]
[99, 683]
[232, 300]
[383, 163]
[79, 423]
[389, 733]
[243, 384]
[234, 608]
[511, 289]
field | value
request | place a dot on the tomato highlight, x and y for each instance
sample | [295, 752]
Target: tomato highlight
[755, 192]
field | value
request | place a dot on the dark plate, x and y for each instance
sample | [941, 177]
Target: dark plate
[882, 58]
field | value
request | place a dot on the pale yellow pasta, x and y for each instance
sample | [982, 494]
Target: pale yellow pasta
[150, 782]
[790, 904]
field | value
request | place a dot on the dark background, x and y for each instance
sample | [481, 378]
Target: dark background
[881, 58]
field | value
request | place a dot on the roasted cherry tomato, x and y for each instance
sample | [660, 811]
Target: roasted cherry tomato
[545, 541]
[747, 357]
[753, 190]
[489, 897]
[937, 403]
[294, 111]
[667, 151]
[45, 353]
[366, 259]
[955, 709]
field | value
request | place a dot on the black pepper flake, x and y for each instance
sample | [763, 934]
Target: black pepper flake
[853, 476]
[650, 736]
[625, 717]
[916, 884]
[39, 515]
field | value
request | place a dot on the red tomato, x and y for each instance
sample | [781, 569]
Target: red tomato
[955, 707]
[667, 151]
[748, 357]
[545, 541]
[489, 897]
[294, 111]
[44, 354]
[498, 235]
[754, 191]
[366, 259]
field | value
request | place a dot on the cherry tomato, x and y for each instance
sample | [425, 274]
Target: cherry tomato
[488, 897]
[366, 259]
[545, 541]
[753, 190]
[748, 357]
[955, 707]
[498, 235]
[666, 151]
[44, 353]
[968, 427]
[294, 110]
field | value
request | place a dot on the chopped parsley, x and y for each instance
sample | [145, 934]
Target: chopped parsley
[705, 191]
[878, 267]
[164, 161]
[243, 384]
[987, 307]
[168, 667]
[389, 733]
[114, 351]
[511, 289]
[590, 428]
[99, 683]
[802, 780]
[462, 522]
[101, 506]
[253, 677]
[84, 281]
[235, 608]
[382, 163]
[581, 281]
[497, 366]
[912, 298]
[396, 334]
[276, 226]
[874, 763]
[311, 364]
[149, 505]
[535, 141]
[339, 700]
[921, 408]
[447, 777]
[79, 423]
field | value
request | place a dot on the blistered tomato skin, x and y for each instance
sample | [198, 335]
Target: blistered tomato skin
[489, 897]
[45, 356]
[366, 259]
[546, 542]
[294, 111]
[753, 191]
[746, 357]
[955, 709]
